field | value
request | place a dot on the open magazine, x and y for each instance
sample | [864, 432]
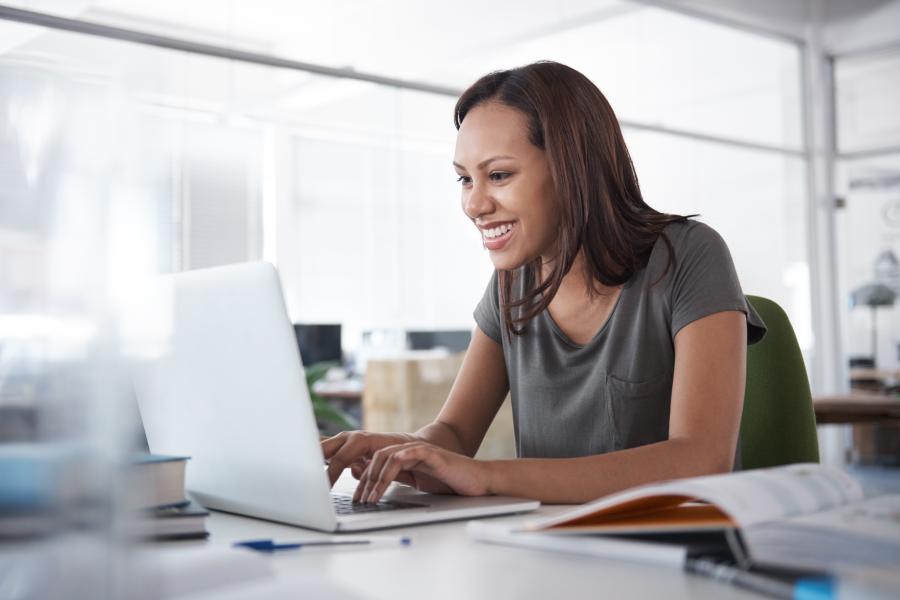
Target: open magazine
[802, 516]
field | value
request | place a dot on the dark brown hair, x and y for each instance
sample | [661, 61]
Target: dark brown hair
[595, 187]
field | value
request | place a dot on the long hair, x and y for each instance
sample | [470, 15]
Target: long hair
[595, 187]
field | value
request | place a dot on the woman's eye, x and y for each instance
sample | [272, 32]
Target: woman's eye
[499, 175]
[464, 179]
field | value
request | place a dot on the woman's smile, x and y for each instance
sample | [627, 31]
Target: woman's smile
[495, 235]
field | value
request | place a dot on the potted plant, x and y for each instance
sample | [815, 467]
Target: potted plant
[329, 418]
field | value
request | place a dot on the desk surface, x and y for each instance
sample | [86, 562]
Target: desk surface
[857, 408]
[442, 562]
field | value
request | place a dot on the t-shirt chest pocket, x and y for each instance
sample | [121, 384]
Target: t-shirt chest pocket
[639, 410]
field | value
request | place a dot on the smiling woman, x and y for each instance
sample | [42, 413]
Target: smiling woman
[568, 136]
[620, 332]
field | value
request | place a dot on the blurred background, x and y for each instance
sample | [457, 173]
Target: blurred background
[141, 137]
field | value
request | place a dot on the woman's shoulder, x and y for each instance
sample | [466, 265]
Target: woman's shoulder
[683, 244]
[690, 233]
[520, 279]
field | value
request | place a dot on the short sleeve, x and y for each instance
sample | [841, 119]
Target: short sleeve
[704, 281]
[487, 313]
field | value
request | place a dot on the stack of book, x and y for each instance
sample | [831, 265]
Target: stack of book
[30, 489]
[160, 507]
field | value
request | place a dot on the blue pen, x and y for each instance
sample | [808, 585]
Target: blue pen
[268, 545]
[808, 588]
[814, 589]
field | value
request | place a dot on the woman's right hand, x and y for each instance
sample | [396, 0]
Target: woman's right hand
[354, 449]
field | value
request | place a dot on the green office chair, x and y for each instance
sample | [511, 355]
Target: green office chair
[778, 425]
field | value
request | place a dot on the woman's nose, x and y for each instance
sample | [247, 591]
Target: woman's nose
[477, 202]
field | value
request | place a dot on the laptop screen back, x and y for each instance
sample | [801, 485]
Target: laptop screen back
[228, 390]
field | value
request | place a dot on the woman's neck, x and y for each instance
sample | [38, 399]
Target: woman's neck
[575, 284]
[579, 312]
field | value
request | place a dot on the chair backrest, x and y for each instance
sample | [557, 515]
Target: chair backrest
[778, 425]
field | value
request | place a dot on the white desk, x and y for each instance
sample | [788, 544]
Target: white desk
[442, 562]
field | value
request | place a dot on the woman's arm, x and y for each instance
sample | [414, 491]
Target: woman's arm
[476, 396]
[707, 400]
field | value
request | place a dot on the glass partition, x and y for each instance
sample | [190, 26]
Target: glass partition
[867, 235]
[346, 185]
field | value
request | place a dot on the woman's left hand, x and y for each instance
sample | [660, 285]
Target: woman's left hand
[426, 467]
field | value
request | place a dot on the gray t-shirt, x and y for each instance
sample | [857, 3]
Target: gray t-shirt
[614, 392]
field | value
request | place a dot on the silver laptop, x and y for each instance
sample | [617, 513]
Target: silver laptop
[227, 388]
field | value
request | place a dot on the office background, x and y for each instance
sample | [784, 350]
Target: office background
[319, 136]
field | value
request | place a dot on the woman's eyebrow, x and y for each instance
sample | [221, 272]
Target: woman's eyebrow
[483, 163]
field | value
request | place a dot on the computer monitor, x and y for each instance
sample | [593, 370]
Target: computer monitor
[452, 340]
[319, 342]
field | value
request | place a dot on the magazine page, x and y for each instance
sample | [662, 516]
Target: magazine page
[864, 533]
[873, 518]
[745, 497]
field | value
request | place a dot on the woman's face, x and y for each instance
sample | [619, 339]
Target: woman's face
[507, 189]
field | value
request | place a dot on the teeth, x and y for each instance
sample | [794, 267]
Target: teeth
[497, 231]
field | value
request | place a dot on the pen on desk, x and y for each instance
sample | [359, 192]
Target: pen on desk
[269, 545]
[819, 588]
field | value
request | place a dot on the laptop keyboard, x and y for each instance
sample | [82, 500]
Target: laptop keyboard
[344, 505]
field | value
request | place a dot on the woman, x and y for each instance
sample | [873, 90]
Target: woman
[621, 332]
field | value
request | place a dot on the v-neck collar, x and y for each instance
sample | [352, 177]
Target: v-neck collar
[600, 332]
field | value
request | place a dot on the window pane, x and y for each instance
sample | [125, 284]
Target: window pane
[868, 237]
[868, 89]
[183, 132]
[381, 240]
